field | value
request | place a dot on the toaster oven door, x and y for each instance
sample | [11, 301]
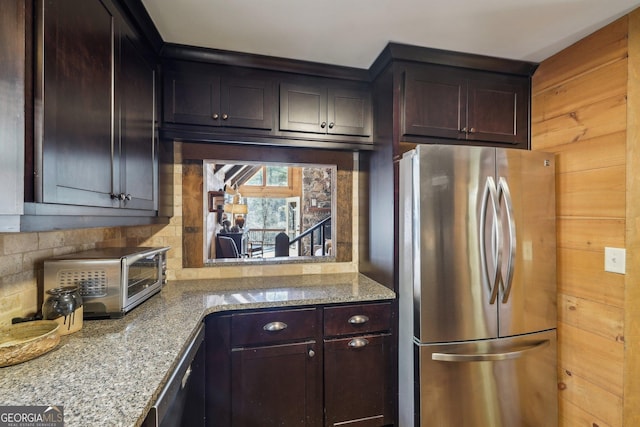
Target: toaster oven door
[142, 274]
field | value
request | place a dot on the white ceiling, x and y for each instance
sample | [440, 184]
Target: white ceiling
[353, 32]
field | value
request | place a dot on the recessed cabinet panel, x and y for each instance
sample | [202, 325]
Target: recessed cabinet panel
[506, 120]
[356, 380]
[77, 91]
[349, 112]
[195, 99]
[138, 165]
[247, 103]
[303, 109]
[275, 386]
[12, 107]
[435, 104]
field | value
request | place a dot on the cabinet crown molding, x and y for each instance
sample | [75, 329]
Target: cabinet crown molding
[403, 52]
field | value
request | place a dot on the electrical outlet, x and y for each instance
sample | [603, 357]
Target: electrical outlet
[614, 260]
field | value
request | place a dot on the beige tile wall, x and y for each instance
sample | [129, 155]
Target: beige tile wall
[22, 255]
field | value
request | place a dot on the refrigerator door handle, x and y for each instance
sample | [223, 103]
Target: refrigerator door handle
[489, 357]
[505, 194]
[490, 195]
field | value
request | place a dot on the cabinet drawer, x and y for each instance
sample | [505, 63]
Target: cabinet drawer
[357, 319]
[273, 326]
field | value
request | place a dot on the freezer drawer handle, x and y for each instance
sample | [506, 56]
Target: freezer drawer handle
[489, 357]
[358, 343]
[274, 326]
[358, 319]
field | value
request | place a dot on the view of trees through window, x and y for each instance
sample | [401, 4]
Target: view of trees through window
[266, 212]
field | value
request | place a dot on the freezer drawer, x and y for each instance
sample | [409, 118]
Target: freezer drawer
[506, 382]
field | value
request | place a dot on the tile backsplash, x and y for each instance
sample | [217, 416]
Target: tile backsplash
[22, 256]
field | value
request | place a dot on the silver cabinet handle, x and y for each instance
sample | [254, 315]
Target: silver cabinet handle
[323, 125]
[358, 319]
[331, 125]
[225, 116]
[215, 116]
[274, 326]
[358, 343]
[488, 357]
[311, 353]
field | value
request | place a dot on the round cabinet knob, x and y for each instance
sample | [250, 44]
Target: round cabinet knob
[115, 196]
[225, 116]
[323, 125]
[215, 116]
[472, 130]
[128, 197]
[331, 125]
[311, 353]
[463, 130]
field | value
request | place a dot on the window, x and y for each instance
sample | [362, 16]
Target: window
[270, 176]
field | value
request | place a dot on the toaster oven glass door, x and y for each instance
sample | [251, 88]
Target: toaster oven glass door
[144, 275]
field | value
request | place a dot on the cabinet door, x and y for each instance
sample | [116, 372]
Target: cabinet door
[349, 112]
[357, 381]
[276, 386]
[246, 103]
[499, 109]
[303, 108]
[192, 98]
[135, 88]
[435, 100]
[75, 85]
[12, 107]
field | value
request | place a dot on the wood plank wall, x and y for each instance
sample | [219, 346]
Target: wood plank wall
[584, 107]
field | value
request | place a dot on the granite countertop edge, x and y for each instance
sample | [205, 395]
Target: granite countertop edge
[108, 363]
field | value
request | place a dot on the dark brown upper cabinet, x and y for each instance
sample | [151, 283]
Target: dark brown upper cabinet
[447, 102]
[95, 110]
[206, 95]
[137, 175]
[12, 113]
[326, 108]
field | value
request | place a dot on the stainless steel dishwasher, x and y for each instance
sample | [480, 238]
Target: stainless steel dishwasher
[181, 401]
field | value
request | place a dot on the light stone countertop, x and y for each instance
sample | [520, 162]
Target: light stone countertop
[110, 372]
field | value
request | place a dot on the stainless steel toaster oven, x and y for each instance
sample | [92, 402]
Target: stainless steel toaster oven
[112, 281]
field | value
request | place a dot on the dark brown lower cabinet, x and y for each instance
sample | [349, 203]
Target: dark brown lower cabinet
[356, 381]
[314, 366]
[276, 386]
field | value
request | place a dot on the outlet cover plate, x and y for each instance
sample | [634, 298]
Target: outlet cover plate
[614, 260]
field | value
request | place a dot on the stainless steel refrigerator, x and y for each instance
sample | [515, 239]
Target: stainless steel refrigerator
[477, 292]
